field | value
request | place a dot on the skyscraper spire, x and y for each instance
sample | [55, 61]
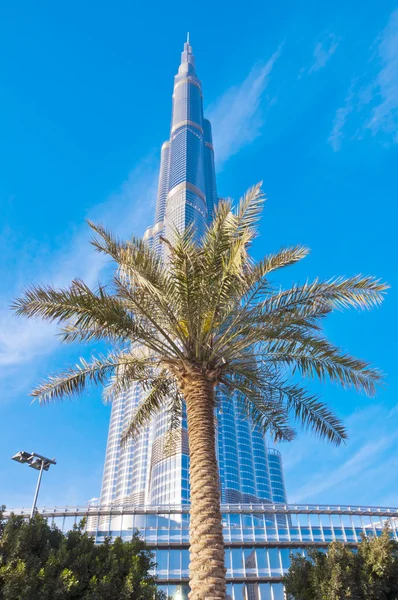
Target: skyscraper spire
[187, 56]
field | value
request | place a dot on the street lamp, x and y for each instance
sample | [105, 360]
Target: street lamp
[38, 462]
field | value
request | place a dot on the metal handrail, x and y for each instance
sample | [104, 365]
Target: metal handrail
[115, 510]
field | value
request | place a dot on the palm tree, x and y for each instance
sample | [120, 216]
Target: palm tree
[208, 320]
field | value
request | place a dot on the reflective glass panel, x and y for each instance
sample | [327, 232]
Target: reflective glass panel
[252, 591]
[185, 560]
[229, 591]
[227, 562]
[182, 592]
[162, 560]
[265, 591]
[277, 590]
[317, 534]
[338, 532]
[350, 535]
[151, 521]
[237, 561]
[174, 562]
[294, 533]
[250, 562]
[285, 558]
[239, 591]
[262, 561]
[274, 563]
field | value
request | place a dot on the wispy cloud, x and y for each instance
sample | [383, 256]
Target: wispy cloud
[371, 103]
[324, 51]
[331, 475]
[336, 135]
[126, 212]
[237, 116]
[384, 115]
[20, 340]
[359, 462]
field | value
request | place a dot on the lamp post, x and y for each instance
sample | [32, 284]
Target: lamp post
[38, 462]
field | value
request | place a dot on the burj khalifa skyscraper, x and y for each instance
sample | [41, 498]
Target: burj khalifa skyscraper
[140, 473]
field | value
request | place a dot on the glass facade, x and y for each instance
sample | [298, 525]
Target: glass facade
[140, 473]
[259, 538]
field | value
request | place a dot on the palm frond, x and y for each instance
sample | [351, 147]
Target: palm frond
[70, 333]
[285, 257]
[263, 389]
[185, 284]
[360, 291]
[309, 411]
[142, 277]
[256, 277]
[109, 245]
[262, 411]
[73, 381]
[160, 388]
[141, 368]
[250, 208]
[315, 356]
[225, 257]
[79, 304]
[89, 315]
[163, 332]
[135, 260]
[174, 410]
[363, 292]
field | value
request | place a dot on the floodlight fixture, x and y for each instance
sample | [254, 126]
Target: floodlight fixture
[22, 457]
[38, 462]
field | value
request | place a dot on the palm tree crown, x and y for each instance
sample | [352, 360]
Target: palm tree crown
[212, 310]
[207, 319]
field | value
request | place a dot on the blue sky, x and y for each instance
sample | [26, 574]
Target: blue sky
[301, 96]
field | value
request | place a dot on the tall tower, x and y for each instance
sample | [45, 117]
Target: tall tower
[141, 473]
[187, 182]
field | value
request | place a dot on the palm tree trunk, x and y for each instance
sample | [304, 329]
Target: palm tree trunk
[207, 571]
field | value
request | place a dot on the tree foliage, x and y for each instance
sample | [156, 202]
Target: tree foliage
[39, 562]
[371, 573]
